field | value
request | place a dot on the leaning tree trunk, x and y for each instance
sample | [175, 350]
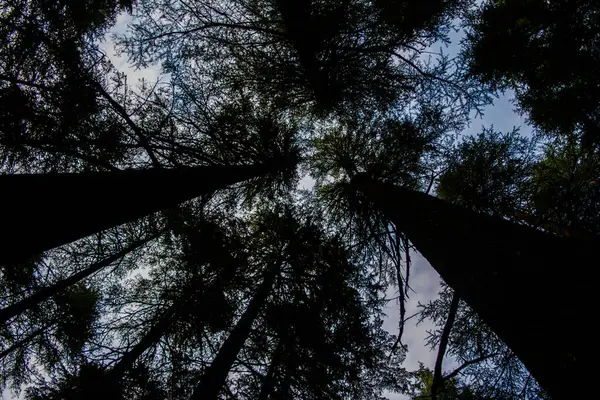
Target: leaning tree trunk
[46, 293]
[268, 384]
[214, 378]
[43, 211]
[531, 288]
[156, 332]
[115, 375]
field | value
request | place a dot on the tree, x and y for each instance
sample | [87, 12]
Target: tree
[64, 330]
[52, 117]
[491, 173]
[438, 230]
[566, 188]
[450, 390]
[404, 150]
[486, 365]
[77, 207]
[321, 329]
[523, 45]
[214, 378]
[319, 57]
[47, 292]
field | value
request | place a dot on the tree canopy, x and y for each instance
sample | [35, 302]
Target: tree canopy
[155, 242]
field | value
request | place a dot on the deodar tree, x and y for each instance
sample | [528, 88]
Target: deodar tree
[155, 244]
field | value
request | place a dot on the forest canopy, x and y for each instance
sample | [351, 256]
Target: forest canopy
[156, 242]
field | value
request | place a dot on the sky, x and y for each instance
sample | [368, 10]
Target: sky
[424, 279]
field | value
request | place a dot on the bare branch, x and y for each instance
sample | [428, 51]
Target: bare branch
[438, 379]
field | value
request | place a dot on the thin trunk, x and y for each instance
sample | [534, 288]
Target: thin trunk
[43, 211]
[214, 378]
[25, 341]
[114, 376]
[513, 276]
[438, 379]
[268, 384]
[156, 332]
[46, 293]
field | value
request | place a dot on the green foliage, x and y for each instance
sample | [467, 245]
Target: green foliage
[451, 389]
[491, 173]
[547, 52]
[566, 188]
[322, 87]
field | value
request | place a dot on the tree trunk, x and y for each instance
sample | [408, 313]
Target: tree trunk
[438, 379]
[43, 211]
[514, 277]
[268, 384]
[214, 378]
[115, 374]
[156, 332]
[45, 293]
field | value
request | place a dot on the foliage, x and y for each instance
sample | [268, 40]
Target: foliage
[488, 368]
[491, 173]
[323, 88]
[451, 389]
[547, 51]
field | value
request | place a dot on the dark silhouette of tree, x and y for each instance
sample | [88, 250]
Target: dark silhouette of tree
[523, 45]
[46, 293]
[502, 175]
[491, 173]
[83, 203]
[405, 151]
[566, 189]
[61, 334]
[52, 118]
[320, 330]
[325, 54]
[214, 378]
[154, 244]
[518, 261]
[486, 365]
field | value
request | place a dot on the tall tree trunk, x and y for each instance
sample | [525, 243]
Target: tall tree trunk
[268, 383]
[214, 378]
[513, 276]
[43, 211]
[45, 293]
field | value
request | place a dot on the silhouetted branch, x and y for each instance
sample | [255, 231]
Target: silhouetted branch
[470, 362]
[438, 379]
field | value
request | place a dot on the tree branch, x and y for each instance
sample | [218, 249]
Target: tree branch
[438, 379]
[467, 363]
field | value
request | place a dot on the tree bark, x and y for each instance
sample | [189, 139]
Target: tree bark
[214, 378]
[43, 211]
[46, 293]
[513, 276]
